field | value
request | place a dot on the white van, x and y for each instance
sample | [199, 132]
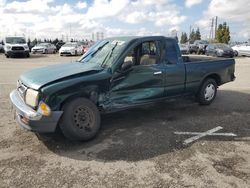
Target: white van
[16, 46]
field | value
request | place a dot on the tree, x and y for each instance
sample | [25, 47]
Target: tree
[223, 33]
[34, 41]
[197, 34]
[28, 42]
[55, 41]
[184, 38]
[192, 36]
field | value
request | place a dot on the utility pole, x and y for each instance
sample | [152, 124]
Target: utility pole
[215, 28]
[211, 35]
[190, 30]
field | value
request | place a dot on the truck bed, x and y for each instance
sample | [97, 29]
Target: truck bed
[199, 67]
[195, 58]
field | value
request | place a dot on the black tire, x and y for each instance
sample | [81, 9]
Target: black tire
[28, 55]
[46, 51]
[81, 120]
[205, 98]
[75, 53]
[7, 56]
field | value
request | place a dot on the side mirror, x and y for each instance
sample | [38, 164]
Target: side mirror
[127, 65]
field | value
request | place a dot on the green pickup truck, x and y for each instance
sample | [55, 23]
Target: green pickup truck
[114, 74]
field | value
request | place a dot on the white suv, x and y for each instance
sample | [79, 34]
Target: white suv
[15, 46]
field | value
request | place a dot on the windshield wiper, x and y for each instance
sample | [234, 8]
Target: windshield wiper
[109, 54]
[93, 53]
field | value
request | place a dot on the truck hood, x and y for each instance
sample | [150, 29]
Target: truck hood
[37, 78]
[10, 44]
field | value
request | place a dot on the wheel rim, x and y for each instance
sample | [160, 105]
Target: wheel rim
[83, 118]
[209, 92]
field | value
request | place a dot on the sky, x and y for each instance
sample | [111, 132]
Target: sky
[80, 18]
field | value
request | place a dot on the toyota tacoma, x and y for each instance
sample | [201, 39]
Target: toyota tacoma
[114, 74]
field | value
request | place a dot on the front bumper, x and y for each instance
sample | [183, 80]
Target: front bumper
[17, 52]
[67, 53]
[30, 119]
[40, 51]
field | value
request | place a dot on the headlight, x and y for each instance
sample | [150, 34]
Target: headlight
[26, 47]
[220, 50]
[31, 97]
[8, 47]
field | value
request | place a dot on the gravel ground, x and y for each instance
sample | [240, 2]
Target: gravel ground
[135, 148]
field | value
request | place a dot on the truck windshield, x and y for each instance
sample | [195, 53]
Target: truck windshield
[103, 52]
[15, 40]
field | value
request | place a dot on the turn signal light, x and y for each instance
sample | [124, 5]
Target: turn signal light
[44, 109]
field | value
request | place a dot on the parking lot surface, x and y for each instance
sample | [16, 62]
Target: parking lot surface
[135, 148]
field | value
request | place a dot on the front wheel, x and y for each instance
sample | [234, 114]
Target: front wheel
[81, 120]
[207, 92]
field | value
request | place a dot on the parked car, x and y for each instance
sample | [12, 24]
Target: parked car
[59, 45]
[193, 49]
[115, 74]
[219, 50]
[15, 46]
[84, 46]
[184, 48]
[44, 48]
[242, 50]
[201, 46]
[71, 48]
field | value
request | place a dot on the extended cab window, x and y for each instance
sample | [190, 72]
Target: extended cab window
[147, 53]
[171, 54]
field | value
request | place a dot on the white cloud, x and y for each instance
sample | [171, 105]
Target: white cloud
[136, 17]
[162, 13]
[81, 5]
[42, 18]
[235, 13]
[2, 2]
[190, 3]
[32, 6]
[106, 8]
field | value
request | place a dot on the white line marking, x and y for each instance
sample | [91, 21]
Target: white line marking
[211, 134]
[199, 135]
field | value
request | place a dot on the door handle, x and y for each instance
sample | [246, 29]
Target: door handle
[157, 73]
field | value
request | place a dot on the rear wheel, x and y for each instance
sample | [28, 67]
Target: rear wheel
[81, 120]
[207, 92]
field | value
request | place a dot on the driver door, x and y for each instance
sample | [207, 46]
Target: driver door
[143, 80]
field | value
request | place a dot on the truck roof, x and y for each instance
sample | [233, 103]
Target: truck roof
[129, 38]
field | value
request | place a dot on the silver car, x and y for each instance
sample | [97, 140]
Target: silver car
[242, 50]
[44, 48]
